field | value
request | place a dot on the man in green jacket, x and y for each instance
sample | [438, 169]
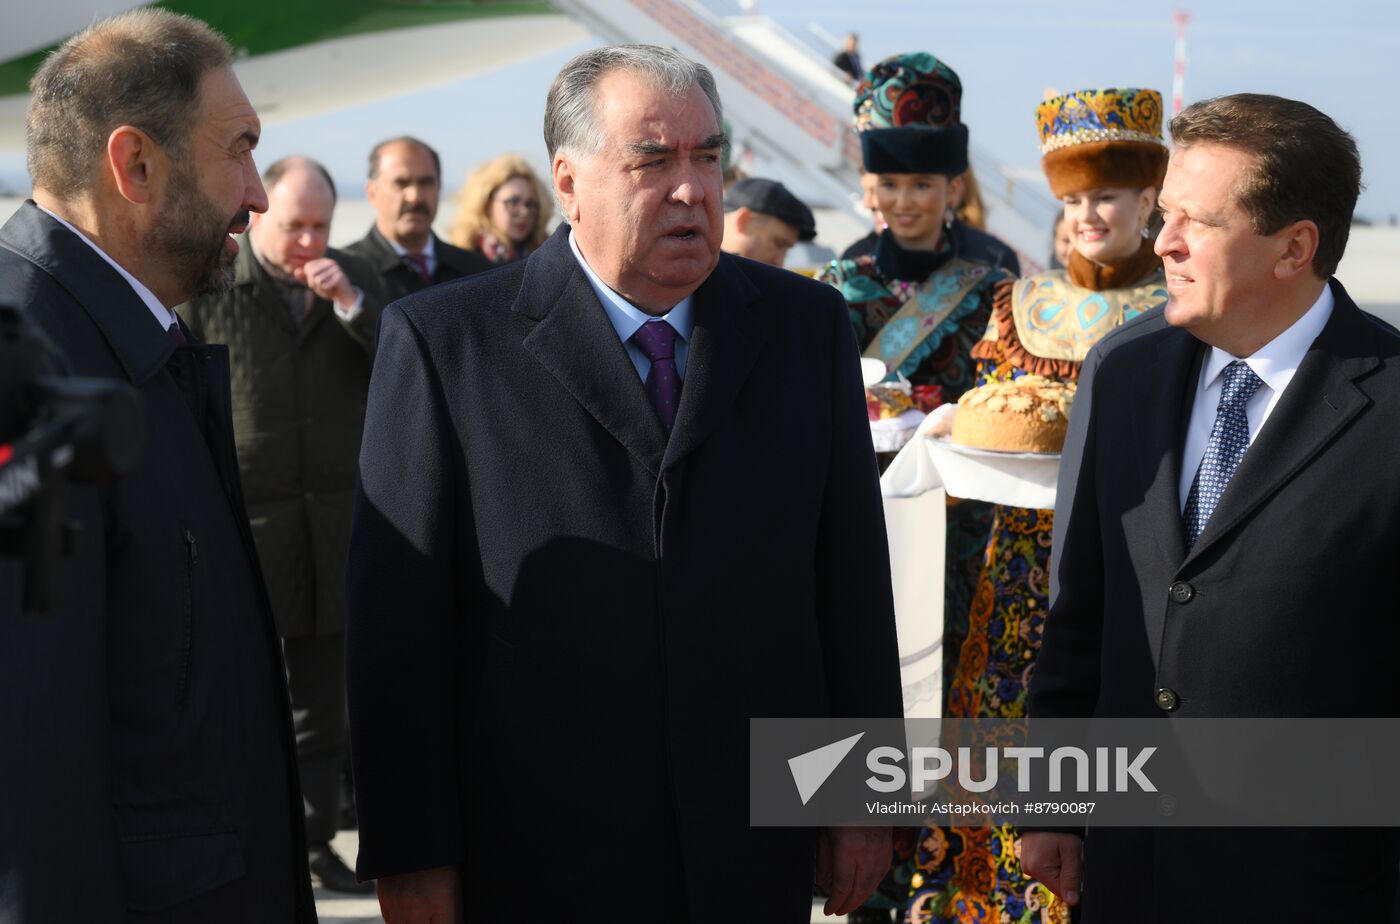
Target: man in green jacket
[299, 323]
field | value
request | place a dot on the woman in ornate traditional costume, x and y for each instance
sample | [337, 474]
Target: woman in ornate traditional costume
[922, 300]
[1103, 154]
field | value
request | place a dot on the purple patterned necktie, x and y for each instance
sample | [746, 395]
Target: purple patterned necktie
[419, 261]
[657, 341]
[175, 334]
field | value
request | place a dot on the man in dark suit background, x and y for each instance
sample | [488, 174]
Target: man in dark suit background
[570, 589]
[847, 60]
[1222, 530]
[404, 186]
[299, 321]
[148, 771]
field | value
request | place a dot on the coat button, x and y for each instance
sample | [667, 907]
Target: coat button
[1167, 700]
[1181, 592]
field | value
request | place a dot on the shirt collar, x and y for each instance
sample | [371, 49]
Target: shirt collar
[626, 317]
[1276, 361]
[163, 315]
[429, 251]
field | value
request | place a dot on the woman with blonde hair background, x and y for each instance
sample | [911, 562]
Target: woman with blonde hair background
[503, 210]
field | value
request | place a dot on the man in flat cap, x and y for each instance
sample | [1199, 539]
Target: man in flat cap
[763, 220]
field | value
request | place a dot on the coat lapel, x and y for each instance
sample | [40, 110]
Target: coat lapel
[1161, 426]
[383, 258]
[126, 323]
[574, 340]
[1320, 400]
[724, 346]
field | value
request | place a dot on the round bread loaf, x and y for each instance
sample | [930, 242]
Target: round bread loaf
[1028, 414]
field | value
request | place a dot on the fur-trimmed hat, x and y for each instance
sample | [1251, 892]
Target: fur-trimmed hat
[907, 111]
[1093, 138]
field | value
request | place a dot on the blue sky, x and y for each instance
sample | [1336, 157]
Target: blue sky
[1007, 52]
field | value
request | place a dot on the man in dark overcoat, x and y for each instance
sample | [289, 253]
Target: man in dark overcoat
[146, 754]
[615, 500]
[1222, 532]
[405, 187]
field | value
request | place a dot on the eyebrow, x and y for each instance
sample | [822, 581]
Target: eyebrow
[1192, 212]
[717, 140]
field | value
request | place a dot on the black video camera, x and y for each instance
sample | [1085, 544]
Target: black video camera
[54, 429]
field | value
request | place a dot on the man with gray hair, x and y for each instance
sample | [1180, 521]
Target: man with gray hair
[148, 770]
[561, 624]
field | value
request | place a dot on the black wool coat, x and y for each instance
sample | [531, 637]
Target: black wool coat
[147, 761]
[1281, 609]
[560, 621]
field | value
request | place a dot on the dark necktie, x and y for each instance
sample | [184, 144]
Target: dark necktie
[177, 335]
[657, 341]
[419, 261]
[1229, 440]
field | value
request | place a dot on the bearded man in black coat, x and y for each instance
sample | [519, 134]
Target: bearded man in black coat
[148, 770]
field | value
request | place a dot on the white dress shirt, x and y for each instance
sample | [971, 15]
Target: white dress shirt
[1275, 363]
[163, 315]
[626, 318]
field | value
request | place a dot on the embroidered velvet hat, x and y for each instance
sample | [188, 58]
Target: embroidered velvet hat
[908, 114]
[1093, 138]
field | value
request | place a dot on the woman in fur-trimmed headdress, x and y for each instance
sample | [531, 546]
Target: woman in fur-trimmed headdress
[1105, 160]
[922, 300]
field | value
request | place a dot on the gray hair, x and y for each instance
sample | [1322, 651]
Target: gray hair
[570, 111]
[141, 68]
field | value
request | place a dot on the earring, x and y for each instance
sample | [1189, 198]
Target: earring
[948, 216]
[1146, 233]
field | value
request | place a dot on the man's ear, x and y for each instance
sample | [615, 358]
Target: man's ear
[565, 175]
[136, 163]
[370, 191]
[1297, 247]
[742, 219]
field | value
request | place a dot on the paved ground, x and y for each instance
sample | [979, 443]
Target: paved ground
[335, 908]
